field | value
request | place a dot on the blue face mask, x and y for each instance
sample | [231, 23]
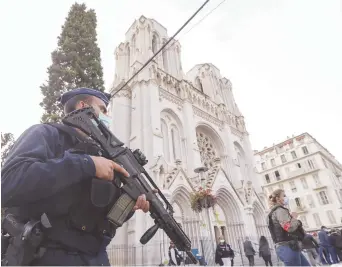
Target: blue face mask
[286, 201]
[105, 119]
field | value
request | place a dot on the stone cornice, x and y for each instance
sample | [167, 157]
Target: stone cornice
[200, 113]
[163, 94]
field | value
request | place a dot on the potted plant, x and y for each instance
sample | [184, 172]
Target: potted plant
[202, 199]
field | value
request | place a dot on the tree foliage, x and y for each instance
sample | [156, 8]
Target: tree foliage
[7, 142]
[75, 63]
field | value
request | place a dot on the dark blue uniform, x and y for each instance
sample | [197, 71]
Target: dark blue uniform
[41, 175]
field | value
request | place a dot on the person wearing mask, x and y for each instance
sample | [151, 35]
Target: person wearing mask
[249, 251]
[43, 177]
[264, 250]
[286, 231]
[223, 253]
[335, 240]
[325, 246]
[175, 257]
[310, 246]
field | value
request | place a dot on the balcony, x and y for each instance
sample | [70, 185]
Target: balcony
[300, 172]
[301, 209]
[319, 186]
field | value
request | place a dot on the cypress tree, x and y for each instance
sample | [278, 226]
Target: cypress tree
[75, 63]
[7, 142]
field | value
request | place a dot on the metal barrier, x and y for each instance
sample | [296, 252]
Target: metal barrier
[153, 254]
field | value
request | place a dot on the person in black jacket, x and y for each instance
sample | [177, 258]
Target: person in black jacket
[336, 241]
[223, 253]
[310, 246]
[45, 175]
[264, 250]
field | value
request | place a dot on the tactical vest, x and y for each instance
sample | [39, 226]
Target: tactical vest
[278, 234]
[76, 223]
[225, 250]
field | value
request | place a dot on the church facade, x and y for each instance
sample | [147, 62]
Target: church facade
[182, 122]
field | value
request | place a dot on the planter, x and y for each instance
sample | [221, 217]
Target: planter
[202, 199]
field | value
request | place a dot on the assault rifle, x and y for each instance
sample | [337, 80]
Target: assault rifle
[137, 184]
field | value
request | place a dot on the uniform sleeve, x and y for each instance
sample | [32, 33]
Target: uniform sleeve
[33, 172]
[288, 223]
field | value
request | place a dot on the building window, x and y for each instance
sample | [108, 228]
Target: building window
[267, 178]
[293, 154]
[287, 169]
[305, 150]
[325, 163]
[293, 186]
[283, 159]
[323, 198]
[311, 165]
[299, 165]
[298, 204]
[273, 162]
[304, 221]
[164, 52]
[263, 166]
[199, 84]
[317, 220]
[176, 150]
[311, 201]
[304, 183]
[331, 217]
[316, 179]
[338, 195]
[165, 140]
[277, 175]
[154, 44]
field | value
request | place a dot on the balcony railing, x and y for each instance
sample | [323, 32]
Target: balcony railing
[301, 209]
[301, 171]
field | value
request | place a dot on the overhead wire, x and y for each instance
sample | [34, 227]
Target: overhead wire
[170, 39]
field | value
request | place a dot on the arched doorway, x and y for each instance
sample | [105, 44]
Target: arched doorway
[190, 221]
[234, 225]
[260, 221]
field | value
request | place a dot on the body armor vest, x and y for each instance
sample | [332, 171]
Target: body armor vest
[278, 234]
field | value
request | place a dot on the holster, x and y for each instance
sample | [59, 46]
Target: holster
[22, 243]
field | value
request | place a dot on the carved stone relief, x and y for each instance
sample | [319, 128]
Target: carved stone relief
[209, 156]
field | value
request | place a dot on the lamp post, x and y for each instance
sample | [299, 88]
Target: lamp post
[203, 180]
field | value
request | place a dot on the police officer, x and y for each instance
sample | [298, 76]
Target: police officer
[286, 231]
[42, 175]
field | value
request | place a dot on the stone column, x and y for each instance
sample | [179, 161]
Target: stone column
[230, 156]
[250, 227]
[194, 159]
[249, 157]
[121, 113]
[165, 240]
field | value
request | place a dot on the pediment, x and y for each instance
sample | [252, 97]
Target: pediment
[180, 178]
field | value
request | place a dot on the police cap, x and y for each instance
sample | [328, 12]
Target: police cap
[105, 97]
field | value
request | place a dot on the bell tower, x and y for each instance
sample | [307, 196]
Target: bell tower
[143, 39]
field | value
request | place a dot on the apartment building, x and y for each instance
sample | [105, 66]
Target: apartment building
[310, 176]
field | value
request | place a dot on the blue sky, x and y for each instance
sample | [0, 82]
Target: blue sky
[284, 58]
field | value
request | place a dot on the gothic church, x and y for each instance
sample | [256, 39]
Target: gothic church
[182, 121]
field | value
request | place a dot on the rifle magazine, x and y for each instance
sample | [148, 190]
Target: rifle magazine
[120, 210]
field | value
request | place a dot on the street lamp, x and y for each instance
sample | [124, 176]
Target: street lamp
[203, 181]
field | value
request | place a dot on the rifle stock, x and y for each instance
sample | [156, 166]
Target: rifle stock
[139, 181]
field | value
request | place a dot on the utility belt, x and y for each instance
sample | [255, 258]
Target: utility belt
[23, 243]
